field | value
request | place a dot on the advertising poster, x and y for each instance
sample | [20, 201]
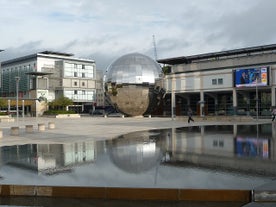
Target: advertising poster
[251, 77]
[252, 147]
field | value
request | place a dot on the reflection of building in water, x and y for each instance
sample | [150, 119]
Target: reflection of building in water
[220, 147]
[254, 141]
[136, 152]
[49, 158]
[216, 140]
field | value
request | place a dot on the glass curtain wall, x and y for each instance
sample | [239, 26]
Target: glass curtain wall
[247, 103]
[78, 70]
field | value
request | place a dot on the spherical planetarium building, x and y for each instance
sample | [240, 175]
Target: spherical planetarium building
[136, 152]
[131, 84]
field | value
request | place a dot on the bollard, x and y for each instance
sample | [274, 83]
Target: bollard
[51, 125]
[29, 128]
[14, 131]
[1, 133]
[41, 127]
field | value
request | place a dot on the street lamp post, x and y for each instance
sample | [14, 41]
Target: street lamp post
[173, 99]
[17, 78]
[257, 100]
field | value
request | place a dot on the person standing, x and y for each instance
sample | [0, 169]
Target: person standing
[243, 78]
[190, 114]
[273, 114]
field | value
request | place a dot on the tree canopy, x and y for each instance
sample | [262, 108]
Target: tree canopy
[3, 103]
[166, 69]
[60, 103]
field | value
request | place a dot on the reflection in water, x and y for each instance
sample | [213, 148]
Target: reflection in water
[232, 156]
[136, 152]
[240, 148]
[249, 143]
[49, 158]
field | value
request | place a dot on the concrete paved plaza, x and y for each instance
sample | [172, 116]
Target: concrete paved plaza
[91, 128]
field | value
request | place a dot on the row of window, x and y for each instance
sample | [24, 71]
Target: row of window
[78, 70]
[80, 94]
[218, 143]
[25, 68]
[78, 66]
[8, 82]
[71, 73]
[76, 83]
[218, 81]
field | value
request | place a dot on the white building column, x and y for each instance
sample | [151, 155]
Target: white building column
[173, 99]
[272, 148]
[47, 83]
[235, 130]
[235, 102]
[201, 103]
[23, 108]
[272, 96]
[9, 105]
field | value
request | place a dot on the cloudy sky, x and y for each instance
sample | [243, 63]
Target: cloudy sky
[104, 30]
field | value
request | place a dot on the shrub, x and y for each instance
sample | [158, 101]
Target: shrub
[60, 103]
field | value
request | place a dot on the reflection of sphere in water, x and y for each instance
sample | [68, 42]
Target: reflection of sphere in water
[135, 152]
[130, 84]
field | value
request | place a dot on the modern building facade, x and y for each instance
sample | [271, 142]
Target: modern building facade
[233, 82]
[100, 97]
[46, 76]
[213, 84]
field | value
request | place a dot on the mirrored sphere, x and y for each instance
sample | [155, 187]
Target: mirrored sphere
[136, 152]
[130, 84]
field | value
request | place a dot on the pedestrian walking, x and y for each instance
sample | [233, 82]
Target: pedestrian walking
[273, 114]
[190, 114]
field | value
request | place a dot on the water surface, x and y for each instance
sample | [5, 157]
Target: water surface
[205, 157]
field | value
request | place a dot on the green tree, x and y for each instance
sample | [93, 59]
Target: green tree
[3, 103]
[60, 103]
[166, 69]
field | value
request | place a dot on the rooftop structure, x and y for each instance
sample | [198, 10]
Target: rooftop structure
[49, 54]
[220, 55]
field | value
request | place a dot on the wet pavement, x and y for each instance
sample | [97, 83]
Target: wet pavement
[99, 128]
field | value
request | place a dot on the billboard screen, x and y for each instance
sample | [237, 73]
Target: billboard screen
[251, 77]
[252, 147]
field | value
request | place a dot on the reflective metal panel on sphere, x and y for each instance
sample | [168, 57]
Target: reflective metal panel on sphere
[131, 84]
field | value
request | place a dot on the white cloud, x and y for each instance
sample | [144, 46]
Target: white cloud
[107, 29]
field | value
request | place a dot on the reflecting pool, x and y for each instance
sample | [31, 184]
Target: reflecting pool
[205, 157]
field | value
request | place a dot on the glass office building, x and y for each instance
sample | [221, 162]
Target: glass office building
[49, 75]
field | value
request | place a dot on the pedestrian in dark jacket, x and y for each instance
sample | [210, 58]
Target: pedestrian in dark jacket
[190, 114]
[273, 114]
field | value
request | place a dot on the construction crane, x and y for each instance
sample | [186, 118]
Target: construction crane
[154, 47]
